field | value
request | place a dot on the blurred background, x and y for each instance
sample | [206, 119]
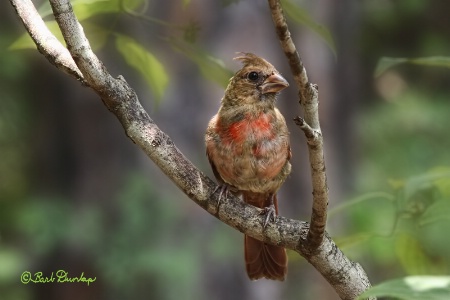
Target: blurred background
[76, 194]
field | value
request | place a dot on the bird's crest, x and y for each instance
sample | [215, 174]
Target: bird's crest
[251, 59]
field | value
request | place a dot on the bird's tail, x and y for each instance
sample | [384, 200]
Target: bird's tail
[263, 260]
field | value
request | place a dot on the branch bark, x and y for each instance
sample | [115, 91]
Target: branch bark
[348, 278]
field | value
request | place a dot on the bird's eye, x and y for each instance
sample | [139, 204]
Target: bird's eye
[253, 76]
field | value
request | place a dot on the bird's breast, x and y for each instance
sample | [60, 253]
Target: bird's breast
[251, 151]
[247, 131]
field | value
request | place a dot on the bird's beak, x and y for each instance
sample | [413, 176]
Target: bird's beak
[273, 84]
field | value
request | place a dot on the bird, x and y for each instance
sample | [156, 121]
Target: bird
[248, 147]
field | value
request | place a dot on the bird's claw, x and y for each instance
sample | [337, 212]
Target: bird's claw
[270, 213]
[223, 190]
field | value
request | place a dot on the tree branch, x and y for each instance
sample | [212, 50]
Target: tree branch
[45, 41]
[348, 278]
[308, 95]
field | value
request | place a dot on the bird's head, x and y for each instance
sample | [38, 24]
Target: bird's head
[258, 81]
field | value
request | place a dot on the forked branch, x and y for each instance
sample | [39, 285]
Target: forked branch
[309, 100]
[347, 277]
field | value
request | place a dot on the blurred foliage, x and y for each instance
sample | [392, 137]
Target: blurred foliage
[412, 288]
[301, 16]
[144, 62]
[14, 124]
[140, 247]
[85, 9]
[386, 63]
[403, 232]
[139, 57]
[123, 252]
[400, 229]
[210, 67]
[136, 55]
[402, 137]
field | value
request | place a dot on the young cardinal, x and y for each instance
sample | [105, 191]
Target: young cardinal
[247, 144]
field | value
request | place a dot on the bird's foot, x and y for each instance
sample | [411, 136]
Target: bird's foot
[270, 213]
[224, 188]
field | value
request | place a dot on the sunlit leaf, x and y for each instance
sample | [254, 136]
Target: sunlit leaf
[300, 15]
[83, 9]
[210, 67]
[386, 63]
[97, 36]
[412, 256]
[144, 62]
[23, 42]
[87, 8]
[412, 288]
[443, 184]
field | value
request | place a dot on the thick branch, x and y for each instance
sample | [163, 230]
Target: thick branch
[308, 94]
[45, 41]
[344, 275]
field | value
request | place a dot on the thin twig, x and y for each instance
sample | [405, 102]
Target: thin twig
[308, 94]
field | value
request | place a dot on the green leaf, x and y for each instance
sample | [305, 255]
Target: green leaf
[436, 61]
[355, 201]
[83, 9]
[412, 256]
[386, 63]
[97, 36]
[144, 62]
[23, 42]
[300, 15]
[210, 67]
[88, 8]
[425, 181]
[443, 184]
[412, 288]
[436, 212]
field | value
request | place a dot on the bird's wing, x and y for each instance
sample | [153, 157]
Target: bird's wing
[214, 169]
[289, 156]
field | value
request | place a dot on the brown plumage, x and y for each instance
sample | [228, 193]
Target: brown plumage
[247, 144]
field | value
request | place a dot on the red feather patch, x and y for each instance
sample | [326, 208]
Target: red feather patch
[249, 127]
